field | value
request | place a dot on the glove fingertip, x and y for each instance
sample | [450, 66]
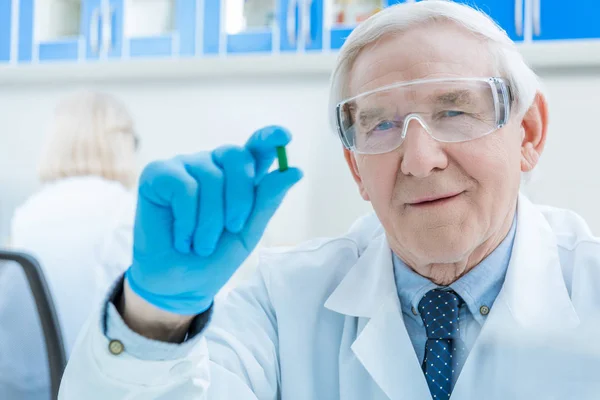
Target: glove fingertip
[235, 225]
[203, 251]
[183, 245]
[295, 174]
[288, 178]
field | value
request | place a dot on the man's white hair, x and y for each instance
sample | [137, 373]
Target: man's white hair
[399, 18]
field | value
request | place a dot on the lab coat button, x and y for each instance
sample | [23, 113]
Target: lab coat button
[116, 347]
[183, 368]
[414, 311]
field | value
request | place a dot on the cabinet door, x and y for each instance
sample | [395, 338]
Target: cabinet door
[112, 28]
[160, 28]
[185, 22]
[25, 47]
[251, 26]
[5, 29]
[49, 30]
[91, 27]
[558, 20]
[311, 24]
[289, 24]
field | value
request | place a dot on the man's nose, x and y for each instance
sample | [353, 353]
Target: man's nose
[422, 154]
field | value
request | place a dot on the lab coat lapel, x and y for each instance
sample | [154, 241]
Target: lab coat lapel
[533, 302]
[383, 346]
[534, 289]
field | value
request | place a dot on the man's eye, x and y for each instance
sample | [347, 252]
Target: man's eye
[451, 113]
[383, 126]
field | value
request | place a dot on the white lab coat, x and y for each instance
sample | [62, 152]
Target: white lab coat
[323, 321]
[80, 230]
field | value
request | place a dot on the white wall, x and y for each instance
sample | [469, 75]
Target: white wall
[174, 117]
[568, 174]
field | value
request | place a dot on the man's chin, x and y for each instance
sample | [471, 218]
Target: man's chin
[442, 252]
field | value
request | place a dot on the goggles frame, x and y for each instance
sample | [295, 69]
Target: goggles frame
[503, 99]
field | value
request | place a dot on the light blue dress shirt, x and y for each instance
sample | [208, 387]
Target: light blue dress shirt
[478, 288]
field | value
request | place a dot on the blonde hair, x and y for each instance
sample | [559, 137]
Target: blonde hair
[396, 19]
[92, 134]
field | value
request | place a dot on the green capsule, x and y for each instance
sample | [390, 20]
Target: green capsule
[282, 158]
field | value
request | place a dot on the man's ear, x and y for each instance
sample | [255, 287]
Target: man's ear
[351, 161]
[534, 128]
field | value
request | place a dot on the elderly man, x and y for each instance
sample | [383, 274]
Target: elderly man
[458, 286]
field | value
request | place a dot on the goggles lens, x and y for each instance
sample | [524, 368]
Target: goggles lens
[457, 110]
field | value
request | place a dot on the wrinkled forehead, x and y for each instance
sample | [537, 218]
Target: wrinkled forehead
[428, 91]
[431, 51]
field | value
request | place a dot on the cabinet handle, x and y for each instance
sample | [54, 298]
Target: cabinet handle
[290, 22]
[307, 23]
[94, 25]
[537, 17]
[519, 17]
[107, 28]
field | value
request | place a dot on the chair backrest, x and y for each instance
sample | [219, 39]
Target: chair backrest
[57, 359]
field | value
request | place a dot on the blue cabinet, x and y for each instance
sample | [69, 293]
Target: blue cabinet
[101, 28]
[273, 28]
[181, 41]
[509, 14]
[117, 29]
[280, 26]
[25, 48]
[5, 30]
[557, 20]
[112, 28]
[99, 31]
[91, 27]
[312, 26]
[44, 48]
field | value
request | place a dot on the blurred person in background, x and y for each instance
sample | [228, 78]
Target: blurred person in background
[78, 226]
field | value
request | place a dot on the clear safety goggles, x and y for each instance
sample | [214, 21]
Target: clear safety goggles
[450, 110]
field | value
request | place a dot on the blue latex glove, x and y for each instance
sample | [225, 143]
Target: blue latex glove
[200, 216]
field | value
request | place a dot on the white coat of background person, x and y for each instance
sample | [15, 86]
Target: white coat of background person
[440, 118]
[79, 227]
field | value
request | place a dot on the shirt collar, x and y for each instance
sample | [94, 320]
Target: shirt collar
[478, 288]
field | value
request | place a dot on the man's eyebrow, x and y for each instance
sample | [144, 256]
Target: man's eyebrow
[455, 97]
[367, 115]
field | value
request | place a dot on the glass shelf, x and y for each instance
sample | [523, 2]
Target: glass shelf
[56, 20]
[249, 15]
[348, 13]
[146, 18]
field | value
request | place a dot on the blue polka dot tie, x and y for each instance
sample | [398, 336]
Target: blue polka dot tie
[439, 311]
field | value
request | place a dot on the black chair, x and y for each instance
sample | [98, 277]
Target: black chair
[57, 359]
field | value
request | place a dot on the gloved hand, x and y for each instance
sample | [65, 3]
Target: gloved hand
[200, 216]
